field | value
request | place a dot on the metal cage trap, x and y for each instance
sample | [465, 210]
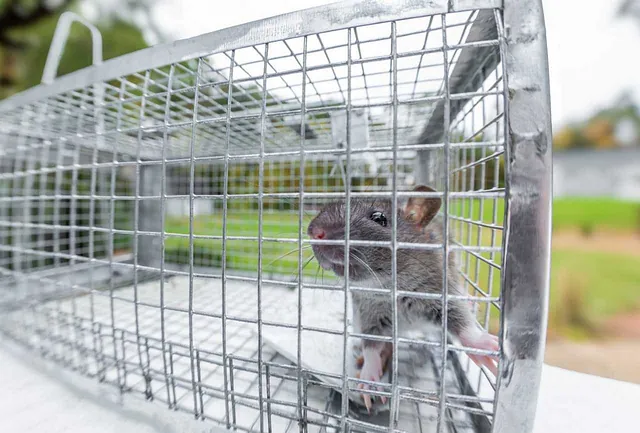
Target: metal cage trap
[154, 211]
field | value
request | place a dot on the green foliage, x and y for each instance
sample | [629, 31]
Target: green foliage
[279, 176]
[119, 37]
[71, 207]
[598, 130]
[571, 137]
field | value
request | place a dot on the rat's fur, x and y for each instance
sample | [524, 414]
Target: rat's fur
[417, 270]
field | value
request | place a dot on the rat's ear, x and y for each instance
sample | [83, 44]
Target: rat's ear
[421, 210]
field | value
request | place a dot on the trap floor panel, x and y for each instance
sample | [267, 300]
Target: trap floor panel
[128, 340]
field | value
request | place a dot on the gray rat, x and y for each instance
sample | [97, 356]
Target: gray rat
[417, 271]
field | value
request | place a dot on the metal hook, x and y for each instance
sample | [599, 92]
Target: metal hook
[59, 41]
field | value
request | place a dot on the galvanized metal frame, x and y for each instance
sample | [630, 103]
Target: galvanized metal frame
[527, 244]
[522, 47]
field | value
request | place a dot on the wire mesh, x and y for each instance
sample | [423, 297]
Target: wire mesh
[154, 226]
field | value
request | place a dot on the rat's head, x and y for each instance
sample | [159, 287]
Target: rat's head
[371, 220]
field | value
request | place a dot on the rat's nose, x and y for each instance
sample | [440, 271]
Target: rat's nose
[317, 233]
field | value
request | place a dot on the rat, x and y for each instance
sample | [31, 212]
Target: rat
[417, 271]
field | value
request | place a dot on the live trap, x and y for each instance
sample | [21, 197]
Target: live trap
[154, 207]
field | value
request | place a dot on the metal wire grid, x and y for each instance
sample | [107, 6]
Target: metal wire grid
[479, 220]
[419, 72]
[224, 134]
[135, 363]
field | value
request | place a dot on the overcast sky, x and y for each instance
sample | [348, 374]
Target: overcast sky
[594, 55]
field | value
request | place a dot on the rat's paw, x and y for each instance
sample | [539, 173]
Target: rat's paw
[483, 341]
[371, 371]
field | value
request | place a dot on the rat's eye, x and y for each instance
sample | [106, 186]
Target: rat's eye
[378, 217]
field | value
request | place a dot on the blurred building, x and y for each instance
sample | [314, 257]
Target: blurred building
[597, 173]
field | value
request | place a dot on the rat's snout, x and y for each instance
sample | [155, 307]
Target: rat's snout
[316, 232]
[327, 225]
[320, 231]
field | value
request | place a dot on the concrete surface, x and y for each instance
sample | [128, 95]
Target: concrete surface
[39, 397]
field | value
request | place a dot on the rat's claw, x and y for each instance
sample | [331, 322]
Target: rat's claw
[367, 402]
[372, 364]
[366, 397]
[371, 371]
[487, 361]
[383, 399]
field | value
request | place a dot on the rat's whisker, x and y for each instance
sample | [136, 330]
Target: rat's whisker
[287, 254]
[317, 272]
[307, 262]
[304, 265]
[362, 262]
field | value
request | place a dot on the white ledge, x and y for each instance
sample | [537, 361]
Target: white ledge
[36, 394]
[576, 402]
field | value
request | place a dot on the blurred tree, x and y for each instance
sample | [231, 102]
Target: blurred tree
[564, 138]
[26, 31]
[599, 132]
[15, 16]
[137, 12]
[616, 125]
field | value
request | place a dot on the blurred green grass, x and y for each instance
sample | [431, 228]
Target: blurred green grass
[599, 213]
[569, 213]
[278, 257]
[610, 281]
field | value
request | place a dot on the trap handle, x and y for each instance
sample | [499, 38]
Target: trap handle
[59, 41]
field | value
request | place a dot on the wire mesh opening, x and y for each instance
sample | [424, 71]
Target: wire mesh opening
[154, 226]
